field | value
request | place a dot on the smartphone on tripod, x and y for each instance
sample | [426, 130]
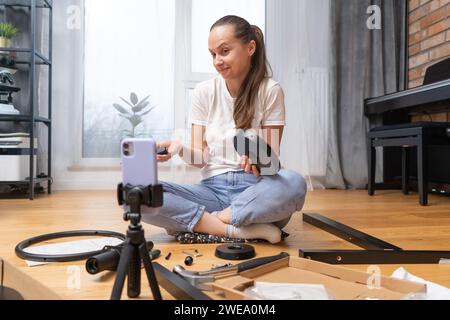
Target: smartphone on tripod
[139, 170]
[139, 166]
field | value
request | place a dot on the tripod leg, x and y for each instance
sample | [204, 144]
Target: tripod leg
[134, 274]
[150, 272]
[122, 269]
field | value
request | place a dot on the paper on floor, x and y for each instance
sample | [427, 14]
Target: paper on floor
[287, 291]
[434, 291]
[71, 247]
[444, 261]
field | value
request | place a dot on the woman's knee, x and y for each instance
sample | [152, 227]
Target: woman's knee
[168, 186]
[281, 196]
[296, 186]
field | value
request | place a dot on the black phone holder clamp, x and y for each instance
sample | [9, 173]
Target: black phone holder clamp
[135, 247]
[135, 196]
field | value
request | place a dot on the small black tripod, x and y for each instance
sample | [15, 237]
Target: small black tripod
[135, 246]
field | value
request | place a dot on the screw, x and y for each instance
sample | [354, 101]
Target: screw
[168, 256]
[194, 253]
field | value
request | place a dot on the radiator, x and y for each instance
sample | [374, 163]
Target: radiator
[315, 119]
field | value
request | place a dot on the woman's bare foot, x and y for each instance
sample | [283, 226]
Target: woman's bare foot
[266, 231]
[210, 224]
[224, 215]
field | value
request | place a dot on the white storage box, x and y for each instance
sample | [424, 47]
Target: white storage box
[15, 158]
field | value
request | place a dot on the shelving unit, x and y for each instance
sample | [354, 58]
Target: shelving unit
[29, 58]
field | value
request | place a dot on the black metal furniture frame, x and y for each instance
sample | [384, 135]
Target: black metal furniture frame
[376, 250]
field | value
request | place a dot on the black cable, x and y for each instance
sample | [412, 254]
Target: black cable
[63, 257]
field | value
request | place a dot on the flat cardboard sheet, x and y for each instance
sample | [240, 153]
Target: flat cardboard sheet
[341, 283]
[29, 288]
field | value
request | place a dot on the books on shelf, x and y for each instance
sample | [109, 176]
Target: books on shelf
[8, 109]
[10, 70]
[14, 135]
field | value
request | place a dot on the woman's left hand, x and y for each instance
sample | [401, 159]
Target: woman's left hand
[249, 167]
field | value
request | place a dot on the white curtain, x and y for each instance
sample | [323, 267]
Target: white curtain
[298, 45]
[67, 94]
[129, 48]
[127, 62]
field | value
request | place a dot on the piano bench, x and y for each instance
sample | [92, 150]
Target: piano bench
[419, 135]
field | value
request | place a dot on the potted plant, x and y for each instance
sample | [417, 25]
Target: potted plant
[133, 112]
[7, 31]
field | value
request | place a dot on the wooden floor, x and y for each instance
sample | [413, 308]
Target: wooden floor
[389, 215]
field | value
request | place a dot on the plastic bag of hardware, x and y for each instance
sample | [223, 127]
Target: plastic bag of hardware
[287, 291]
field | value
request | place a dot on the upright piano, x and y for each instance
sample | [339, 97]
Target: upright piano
[397, 108]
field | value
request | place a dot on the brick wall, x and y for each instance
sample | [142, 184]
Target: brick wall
[429, 42]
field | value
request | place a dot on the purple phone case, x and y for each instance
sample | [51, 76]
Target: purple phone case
[140, 168]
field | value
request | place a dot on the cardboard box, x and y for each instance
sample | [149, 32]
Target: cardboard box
[27, 287]
[341, 283]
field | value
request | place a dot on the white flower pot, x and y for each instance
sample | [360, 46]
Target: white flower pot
[5, 42]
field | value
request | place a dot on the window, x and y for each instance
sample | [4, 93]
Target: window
[152, 48]
[129, 57]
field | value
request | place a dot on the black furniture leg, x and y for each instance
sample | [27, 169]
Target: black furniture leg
[371, 166]
[178, 287]
[405, 170]
[422, 171]
[347, 257]
[347, 233]
[378, 251]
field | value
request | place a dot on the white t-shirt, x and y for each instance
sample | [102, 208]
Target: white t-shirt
[212, 107]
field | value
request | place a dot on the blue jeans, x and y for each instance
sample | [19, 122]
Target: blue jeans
[265, 199]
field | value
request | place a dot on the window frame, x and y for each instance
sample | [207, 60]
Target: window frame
[185, 80]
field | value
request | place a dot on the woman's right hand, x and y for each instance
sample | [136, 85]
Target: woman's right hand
[248, 166]
[173, 148]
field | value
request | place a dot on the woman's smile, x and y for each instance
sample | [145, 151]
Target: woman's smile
[224, 71]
